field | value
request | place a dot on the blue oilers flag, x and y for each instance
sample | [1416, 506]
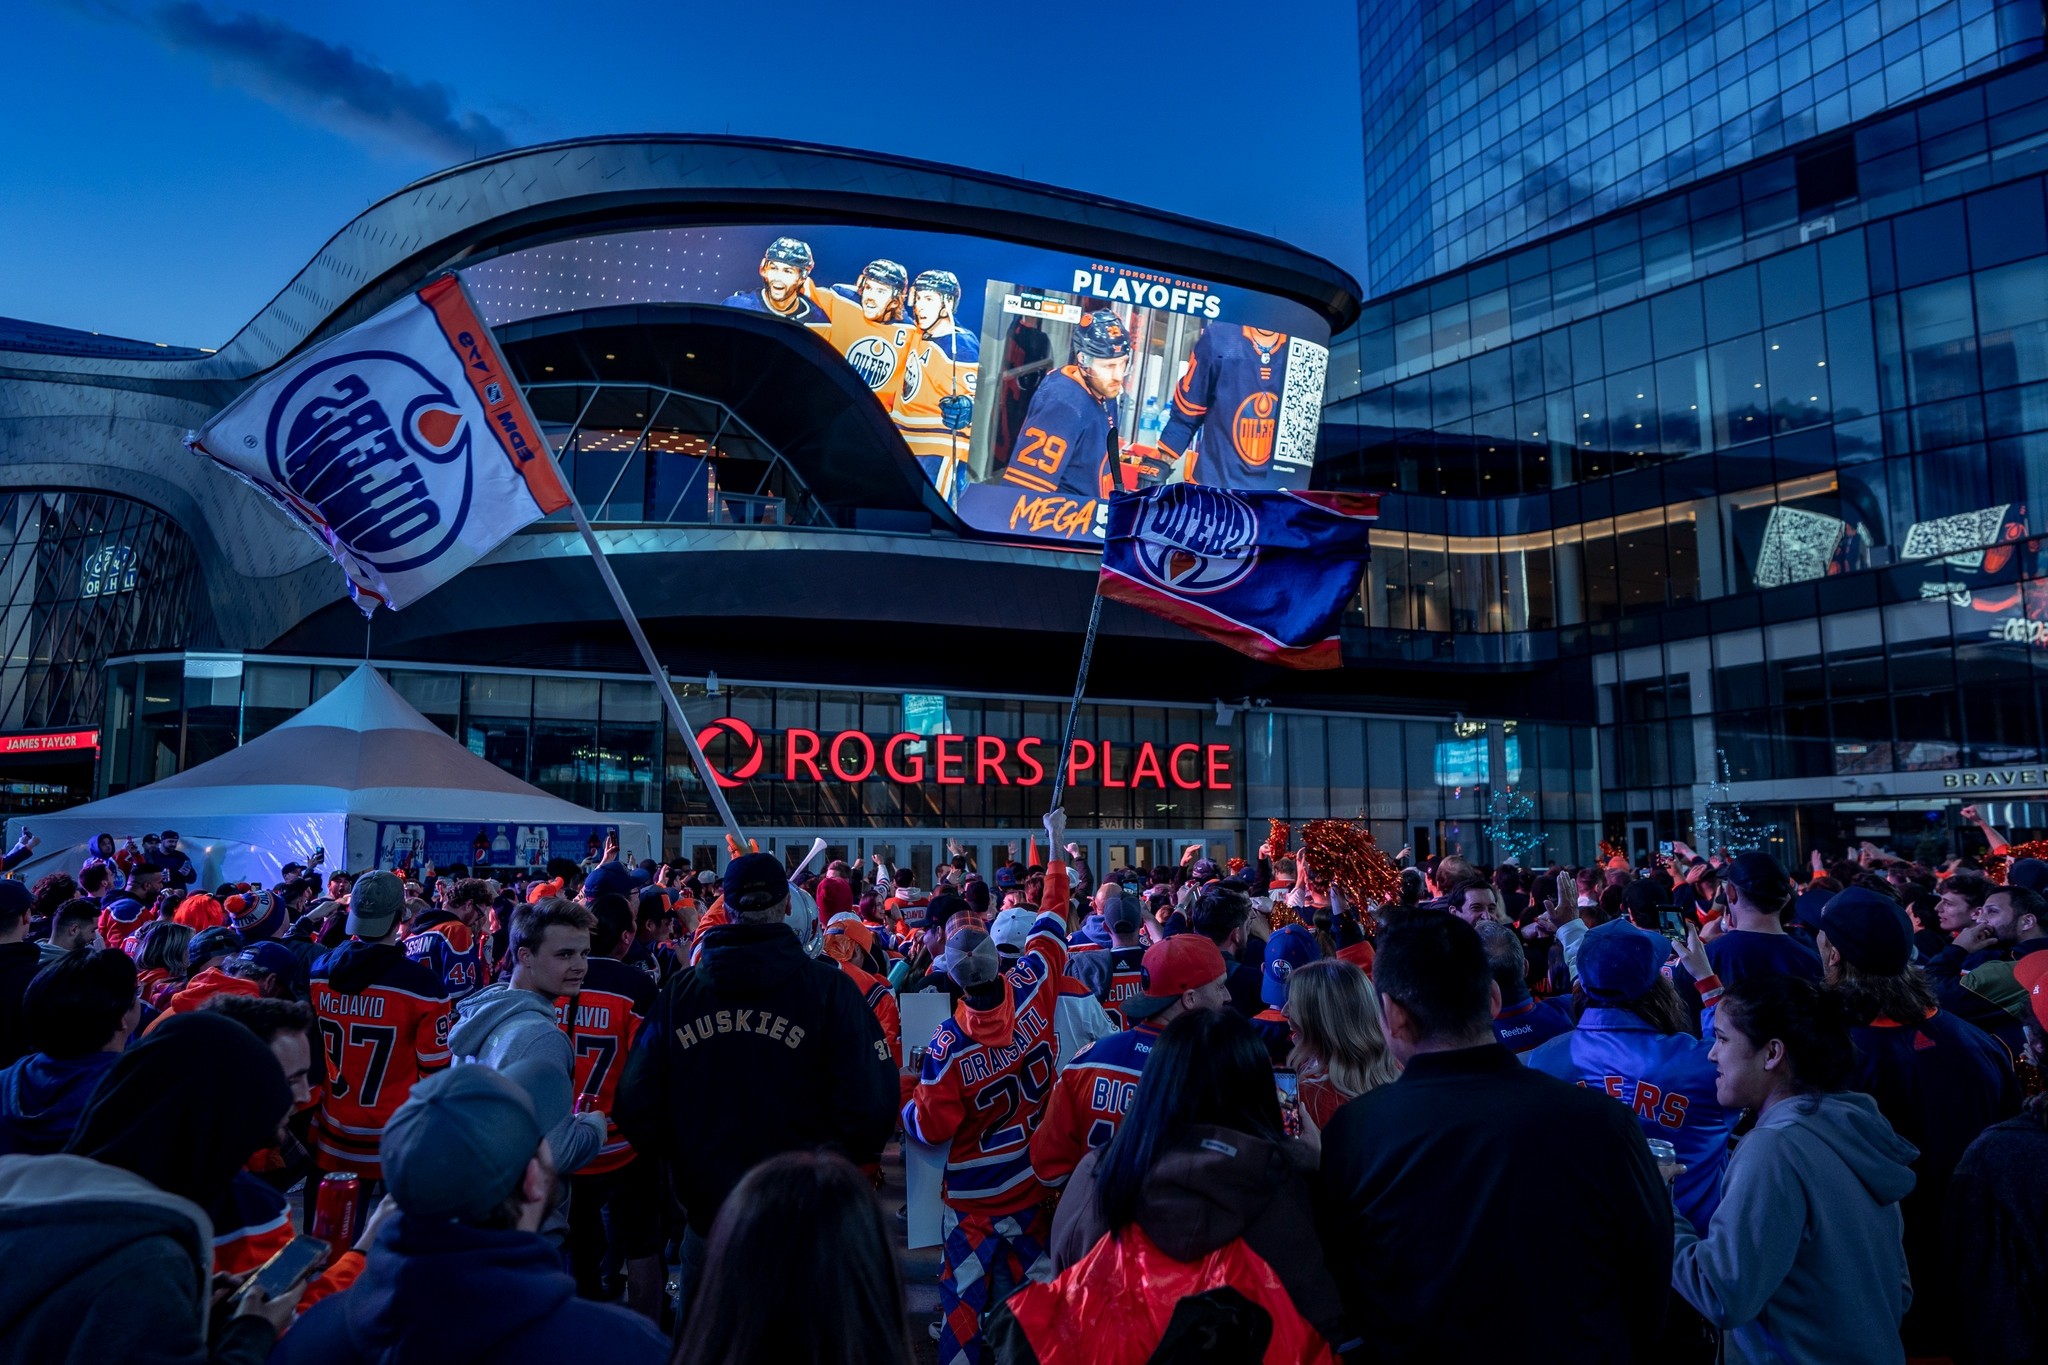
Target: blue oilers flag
[1267, 573]
[403, 445]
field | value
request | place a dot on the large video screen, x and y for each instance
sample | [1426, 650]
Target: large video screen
[1030, 384]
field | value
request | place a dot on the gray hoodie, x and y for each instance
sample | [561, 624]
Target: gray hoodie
[504, 1025]
[1804, 1261]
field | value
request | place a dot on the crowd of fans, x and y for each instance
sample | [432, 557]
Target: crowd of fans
[1695, 1109]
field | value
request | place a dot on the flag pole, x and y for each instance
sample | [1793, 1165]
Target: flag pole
[662, 688]
[1059, 778]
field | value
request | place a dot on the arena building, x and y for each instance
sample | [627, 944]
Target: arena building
[822, 407]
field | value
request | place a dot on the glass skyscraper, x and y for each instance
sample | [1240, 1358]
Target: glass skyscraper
[1736, 446]
[1492, 124]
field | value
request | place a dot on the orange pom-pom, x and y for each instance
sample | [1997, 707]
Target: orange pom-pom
[1275, 847]
[1342, 854]
[1997, 864]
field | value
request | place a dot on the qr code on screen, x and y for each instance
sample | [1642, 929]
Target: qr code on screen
[1301, 404]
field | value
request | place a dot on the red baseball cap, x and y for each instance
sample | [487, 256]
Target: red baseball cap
[1185, 962]
[2031, 974]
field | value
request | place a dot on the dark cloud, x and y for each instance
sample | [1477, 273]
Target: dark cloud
[323, 81]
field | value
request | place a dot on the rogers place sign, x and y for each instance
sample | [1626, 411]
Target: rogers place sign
[959, 760]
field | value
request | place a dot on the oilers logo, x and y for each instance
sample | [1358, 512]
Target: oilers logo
[1193, 539]
[873, 358]
[913, 374]
[1252, 428]
[393, 483]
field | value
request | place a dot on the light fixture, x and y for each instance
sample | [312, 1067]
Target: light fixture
[609, 356]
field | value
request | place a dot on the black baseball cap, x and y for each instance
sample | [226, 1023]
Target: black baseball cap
[754, 881]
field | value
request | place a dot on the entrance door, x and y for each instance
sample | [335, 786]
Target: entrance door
[1642, 839]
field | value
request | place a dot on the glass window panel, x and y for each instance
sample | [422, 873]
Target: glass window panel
[1740, 411]
[1676, 323]
[1681, 390]
[1795, 360]
[1731, 304]
[2012, 323]
[1791, 284]
[1940, 342]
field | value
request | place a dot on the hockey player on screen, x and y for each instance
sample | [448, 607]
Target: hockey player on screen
[936, 406]
[1068, 442]
[785, 271]
[1227, 405]
[865, 323]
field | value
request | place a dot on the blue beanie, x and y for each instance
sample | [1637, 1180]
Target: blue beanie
[1619, 962]
[1869, 930]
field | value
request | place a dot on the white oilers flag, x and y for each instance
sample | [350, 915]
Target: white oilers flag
[403, 445]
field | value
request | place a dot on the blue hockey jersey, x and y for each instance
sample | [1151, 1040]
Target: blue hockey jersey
[1666, 1081]
[1067, 441]
[1227, 405]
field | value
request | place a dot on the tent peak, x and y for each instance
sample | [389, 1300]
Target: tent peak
[363, 702]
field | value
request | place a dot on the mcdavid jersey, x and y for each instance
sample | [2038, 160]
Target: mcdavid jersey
[1230, 394]
[1088, 1102]
[607, 1015]
[756, 301]
[451, 950]
[876, 351]
[1066, 442]
[986, 1097]
[935, 368]
[1126, 977]
[383, 1025]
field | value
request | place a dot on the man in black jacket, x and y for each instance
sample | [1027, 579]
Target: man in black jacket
[1436, 1184]
[753, 1051]
[20, 960]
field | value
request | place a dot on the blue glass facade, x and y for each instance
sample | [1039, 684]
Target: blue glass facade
[1493, 124]
[1752, 475]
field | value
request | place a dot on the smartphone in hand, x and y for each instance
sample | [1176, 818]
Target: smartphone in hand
[295, 1261]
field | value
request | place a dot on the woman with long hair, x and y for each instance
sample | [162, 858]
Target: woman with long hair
[808, 1222]
[1804, 1258]
[1198, 1191]
[1340, 1045]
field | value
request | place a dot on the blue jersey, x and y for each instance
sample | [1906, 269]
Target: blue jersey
[1067, 441]
[451, 950]
[1668, 1084]
[756, 301]
[1227, 405]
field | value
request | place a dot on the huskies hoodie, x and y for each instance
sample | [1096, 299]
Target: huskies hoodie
[1805, 1259]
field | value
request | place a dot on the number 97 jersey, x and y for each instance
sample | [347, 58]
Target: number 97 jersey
[603, 1021]
[384, 1023]
[986, 1078]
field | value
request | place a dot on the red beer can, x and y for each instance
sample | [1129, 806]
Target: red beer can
[334, 1210]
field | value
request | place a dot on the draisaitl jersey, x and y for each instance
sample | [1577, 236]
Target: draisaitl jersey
[985, 1093]
[934, 369]
[1089, 1100]
[451, 950]
[876, 351]
[1067, 442]
[383, 1025]
[1227, 404]
[602, 1022]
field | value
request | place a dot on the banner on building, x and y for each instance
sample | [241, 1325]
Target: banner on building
[408, 845]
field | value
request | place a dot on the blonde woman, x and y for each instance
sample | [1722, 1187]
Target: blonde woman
[1340, 1045]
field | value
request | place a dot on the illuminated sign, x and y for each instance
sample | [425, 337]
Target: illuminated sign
[1981, 779]
[738, 753]
[55, 741]
[1030, 383]
[110, 569]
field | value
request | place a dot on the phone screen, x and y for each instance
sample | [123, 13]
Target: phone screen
[1289, 1083]
[1673, 922]
[298, 1259]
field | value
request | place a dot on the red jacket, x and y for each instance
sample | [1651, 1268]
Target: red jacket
[200, 989]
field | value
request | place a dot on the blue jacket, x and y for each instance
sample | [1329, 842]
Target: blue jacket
[448, 1294]
[41, 1098]
[1666, 1081]
[1526, 1024]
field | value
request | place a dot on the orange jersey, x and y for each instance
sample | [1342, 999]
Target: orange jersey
[882, 1001]
[603, 1021]
[876, 351]
[384, 1023]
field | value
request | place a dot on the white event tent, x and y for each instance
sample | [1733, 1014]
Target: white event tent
[358, 759]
